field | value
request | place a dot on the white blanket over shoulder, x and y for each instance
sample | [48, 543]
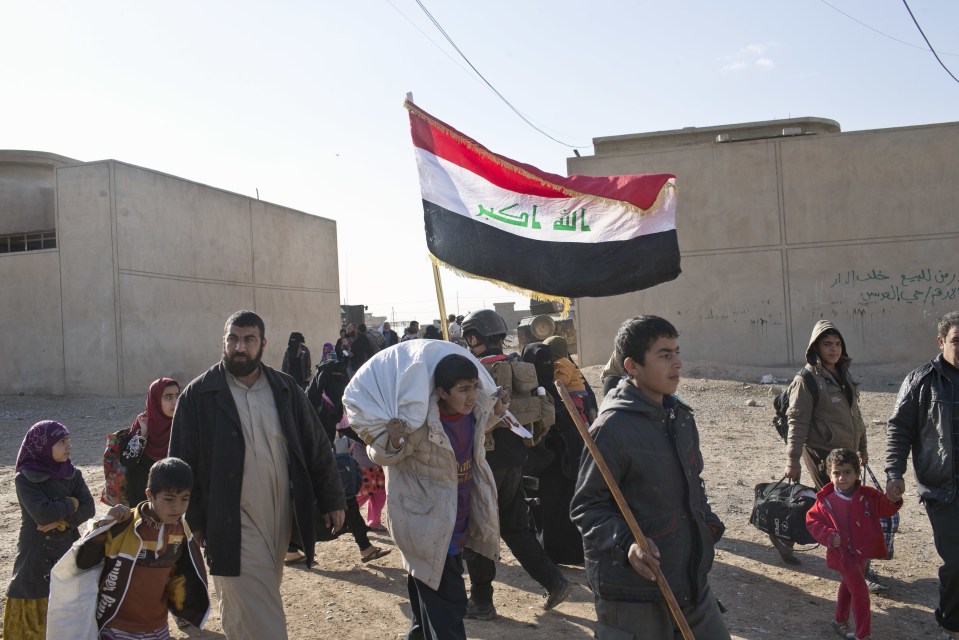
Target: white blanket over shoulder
[397, 382]
[71, 611]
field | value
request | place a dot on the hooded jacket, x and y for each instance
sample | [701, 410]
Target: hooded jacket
[862, 535]
[834, 420]
[653, 453]
[421, 485]
[922, 422]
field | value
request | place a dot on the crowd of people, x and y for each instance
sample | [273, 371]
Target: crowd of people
[242, 471]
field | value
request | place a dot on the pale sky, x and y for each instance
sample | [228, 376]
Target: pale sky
[303, 100]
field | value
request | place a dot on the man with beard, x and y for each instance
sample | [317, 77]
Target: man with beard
[261, 464]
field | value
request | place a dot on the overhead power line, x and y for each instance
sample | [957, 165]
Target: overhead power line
[440, 28]
[916, 22]
[883, 34]
[431, 41]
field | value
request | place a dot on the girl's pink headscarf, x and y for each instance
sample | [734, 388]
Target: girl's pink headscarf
[158, 425]
[36, 451]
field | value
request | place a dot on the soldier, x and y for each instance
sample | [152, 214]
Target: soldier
[484, 332]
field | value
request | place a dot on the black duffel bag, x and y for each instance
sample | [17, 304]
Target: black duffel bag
[779, 508]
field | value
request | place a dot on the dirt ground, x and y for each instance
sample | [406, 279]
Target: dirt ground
[341, 597]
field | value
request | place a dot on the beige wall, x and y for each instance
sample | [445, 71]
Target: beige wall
[148, 268]
[859, 228]
[27, 190]
[86, 239]
[199, 254]
[30, 291]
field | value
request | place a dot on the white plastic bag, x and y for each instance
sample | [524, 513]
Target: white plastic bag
[71, 611]
[397, 383]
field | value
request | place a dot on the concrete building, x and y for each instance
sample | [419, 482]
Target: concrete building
[782, 223]
[510, 313]
[113, 275]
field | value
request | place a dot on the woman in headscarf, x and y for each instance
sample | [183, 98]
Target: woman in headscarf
[152, 427]
[329, 353]
[296, 360]
[555, 461]
[54, 502]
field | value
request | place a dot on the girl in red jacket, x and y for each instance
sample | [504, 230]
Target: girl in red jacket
[845, 520]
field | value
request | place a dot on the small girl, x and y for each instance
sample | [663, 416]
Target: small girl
[54, 502]
[845, 520]
[566, 371]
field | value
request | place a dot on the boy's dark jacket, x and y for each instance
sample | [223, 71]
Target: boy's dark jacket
[653, 454]
[119, 551]
[862, 536]
[207, 435]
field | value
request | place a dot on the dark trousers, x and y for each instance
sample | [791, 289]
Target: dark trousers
[944, 518]
[355, 524]
[560, 537]
[516, 533]
[653, 620]
[438, 614]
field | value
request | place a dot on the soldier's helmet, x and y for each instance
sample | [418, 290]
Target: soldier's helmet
[485, 323]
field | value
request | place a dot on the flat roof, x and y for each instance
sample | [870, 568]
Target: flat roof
[700, 135]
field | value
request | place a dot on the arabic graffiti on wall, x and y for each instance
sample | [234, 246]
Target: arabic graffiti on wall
[925, 286]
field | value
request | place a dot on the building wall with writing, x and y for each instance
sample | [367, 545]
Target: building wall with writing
[775, 234]
[147, 269]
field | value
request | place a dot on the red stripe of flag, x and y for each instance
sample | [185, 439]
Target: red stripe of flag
[443, 141]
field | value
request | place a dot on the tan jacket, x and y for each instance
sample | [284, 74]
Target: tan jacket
[421, 483]
[835, 421]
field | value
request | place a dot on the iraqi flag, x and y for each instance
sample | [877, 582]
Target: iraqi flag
[497, 219]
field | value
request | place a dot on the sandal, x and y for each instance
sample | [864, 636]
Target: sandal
[842, 629]
[294, 557]
[375, 554]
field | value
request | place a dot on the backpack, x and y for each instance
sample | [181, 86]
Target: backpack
[123, 448]
[781, 402]
[536, 413]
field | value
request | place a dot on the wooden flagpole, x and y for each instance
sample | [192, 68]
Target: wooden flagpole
[625, 510]
[439, 299]
[436, 275]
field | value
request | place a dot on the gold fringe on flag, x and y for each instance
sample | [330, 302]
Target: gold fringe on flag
[536, 295]
[483, 151]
